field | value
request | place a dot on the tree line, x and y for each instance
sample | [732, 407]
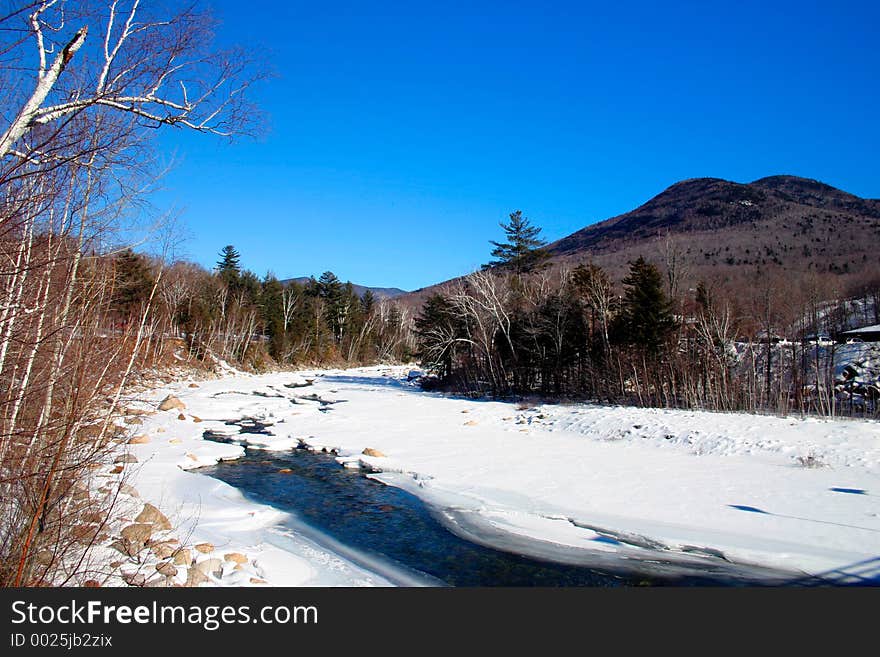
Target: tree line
[86, 88]
[232, 314]
[520, 326]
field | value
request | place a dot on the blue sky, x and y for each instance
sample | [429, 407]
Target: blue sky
[400, 134]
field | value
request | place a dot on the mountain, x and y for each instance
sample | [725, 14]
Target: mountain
[722, 230]
[783, 222]
[360, 290]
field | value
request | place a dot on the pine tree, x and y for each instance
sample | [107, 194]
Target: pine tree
[368, 301]
[437, 328]
[273, 316]
[133, 283]
[337, 299]
[646, 316]
[228, 266]
[522, 251]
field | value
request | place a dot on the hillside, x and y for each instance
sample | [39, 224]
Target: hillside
[722, 228]
[360, 290]
[727, 231]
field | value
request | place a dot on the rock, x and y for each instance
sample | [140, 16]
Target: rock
[285, 471]
[83, 534]
[134, 420]
[160, 582]
[93, 516]
[134, 579]
[194, 577]
[204, 548]
[127, 548]
[44, 557]
[171, 402]
[140, 439]
[175, 441]
[127, 489]
[210, 567]
[471, 423]
[369, 451]
[237, 557]
[126, 458]
[166, 569]
[182, 557]
[92, 584]
[196, 419]
[193, 385]
[153, 516]
[257, 580]
[117, 469]
[162, 550]
[138, 533]
[181, 417]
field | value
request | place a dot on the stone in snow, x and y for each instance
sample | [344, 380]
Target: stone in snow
[171, 402]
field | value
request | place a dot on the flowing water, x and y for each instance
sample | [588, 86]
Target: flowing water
[391, 526]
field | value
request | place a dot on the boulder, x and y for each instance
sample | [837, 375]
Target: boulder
[134, 579]
[126, 458]
[193, 385]
[171, 402]
[211, 566]
[194, 577]
[166, 569]
[237, 557]
[127, 548]
[141, 439]
[153, 516]
[162, 550]
[93, 516]
[160, 582]
[204, 548]
[285, 471]
[369, 451]
[182, 557]
[44, 557]
[127, 489]
[137, 533]
[181, 417]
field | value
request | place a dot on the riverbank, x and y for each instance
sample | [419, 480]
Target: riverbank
[796, 495]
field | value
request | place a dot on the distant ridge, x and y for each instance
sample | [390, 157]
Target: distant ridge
[723, 230]
[360, 290]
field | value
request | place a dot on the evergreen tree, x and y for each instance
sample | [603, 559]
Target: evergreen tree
[133, 283]
[437, 328]
[646, 314]
[228, 266]
[368, 301]
[337, 300]
[273, 316]
[522, 252]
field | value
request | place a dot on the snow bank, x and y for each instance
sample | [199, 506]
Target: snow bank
[787, 493]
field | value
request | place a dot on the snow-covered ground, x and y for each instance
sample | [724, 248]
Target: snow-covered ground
[799, 495]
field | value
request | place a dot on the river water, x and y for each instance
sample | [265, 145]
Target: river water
[385, 524]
